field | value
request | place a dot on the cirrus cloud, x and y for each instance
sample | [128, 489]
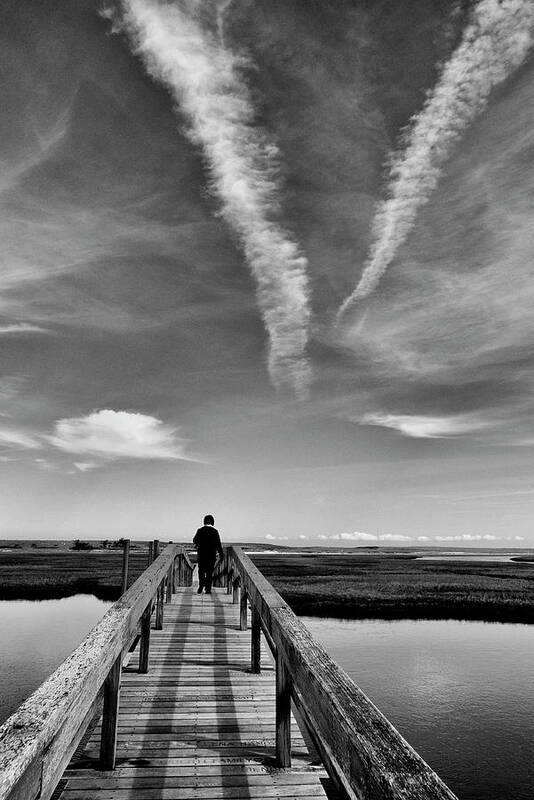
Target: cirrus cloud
[493, 45]
[426, 427]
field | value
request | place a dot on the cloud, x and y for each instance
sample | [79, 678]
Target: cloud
[356, 536]
[207, 83]
[493, 45]
[21, 327]
[368, 537]
[272, 538]
[423, 539]
[303, 536]
[18, 439]
[109, 435]
[422, 427]
[86, 466]
[468, 537]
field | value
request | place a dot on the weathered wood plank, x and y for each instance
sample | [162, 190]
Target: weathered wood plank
[368, 755]
[37, 742]
[198, 730]
[110, 713]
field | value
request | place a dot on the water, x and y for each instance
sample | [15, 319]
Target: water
[36, 636]
[459, 692]
[471, 557]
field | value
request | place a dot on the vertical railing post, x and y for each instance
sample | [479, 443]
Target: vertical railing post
[229, 576]
[110, 713]
[236, 588]
[243, 608]
[255, 641]
[283, 713]
[174, 571]
[150, 553]
[125, 562]
[159, 606]
[169, 585]
[144, 646]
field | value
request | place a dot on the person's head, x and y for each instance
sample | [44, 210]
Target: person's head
[208, 520]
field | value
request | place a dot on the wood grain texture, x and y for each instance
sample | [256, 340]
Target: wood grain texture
[110, 714]
[199, 724]
[367, 754]
[37, 741]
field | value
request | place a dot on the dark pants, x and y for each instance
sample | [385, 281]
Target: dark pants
[206, 564]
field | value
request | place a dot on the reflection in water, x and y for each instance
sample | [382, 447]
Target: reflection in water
[459, 692]
[36, 636]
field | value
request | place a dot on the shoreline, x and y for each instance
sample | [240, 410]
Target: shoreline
[433, 609]
[354, 586]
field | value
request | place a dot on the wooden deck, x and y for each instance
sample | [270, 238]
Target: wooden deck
[200, 724]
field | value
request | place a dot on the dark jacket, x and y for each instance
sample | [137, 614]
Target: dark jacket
[208, 542]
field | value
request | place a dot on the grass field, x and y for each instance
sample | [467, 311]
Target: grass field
[390, 587]
[45, 574]
[352, 586]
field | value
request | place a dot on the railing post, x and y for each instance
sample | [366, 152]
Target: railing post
[236, 588]
[159, 606]
[243, 608]
[144, 646]
[125, 560]
[229, 576]
[150, 553]
[169, 585]
[174, 571]
[255, 642]
[283, 713]
[110, 713]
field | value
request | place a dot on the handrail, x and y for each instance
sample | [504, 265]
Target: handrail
[38, 740]
[363, 753]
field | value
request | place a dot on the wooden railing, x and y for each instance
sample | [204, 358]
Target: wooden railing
[37, 742]
[364, 755]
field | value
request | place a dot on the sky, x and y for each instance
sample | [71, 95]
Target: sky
[269, 261]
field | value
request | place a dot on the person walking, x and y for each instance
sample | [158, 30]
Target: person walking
[208, 544]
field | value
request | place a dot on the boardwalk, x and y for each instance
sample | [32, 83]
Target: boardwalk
[199, 724]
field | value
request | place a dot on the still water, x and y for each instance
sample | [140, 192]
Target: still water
[35, 637]
[461, 693]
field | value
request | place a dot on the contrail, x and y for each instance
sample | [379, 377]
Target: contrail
[494, 44]
[205, 78]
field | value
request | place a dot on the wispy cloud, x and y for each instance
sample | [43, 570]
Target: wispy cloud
[424, 427]
[493, 45]
[206, 79]
[18, 440]
[107, 435]
[21, 327]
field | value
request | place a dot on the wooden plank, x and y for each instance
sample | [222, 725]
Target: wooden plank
[191, 728]
[125, 562]
[110, 713]
[368, 755]
[38, 740]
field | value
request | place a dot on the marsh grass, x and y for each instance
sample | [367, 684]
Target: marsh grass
[47, 574]
[356, 586]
